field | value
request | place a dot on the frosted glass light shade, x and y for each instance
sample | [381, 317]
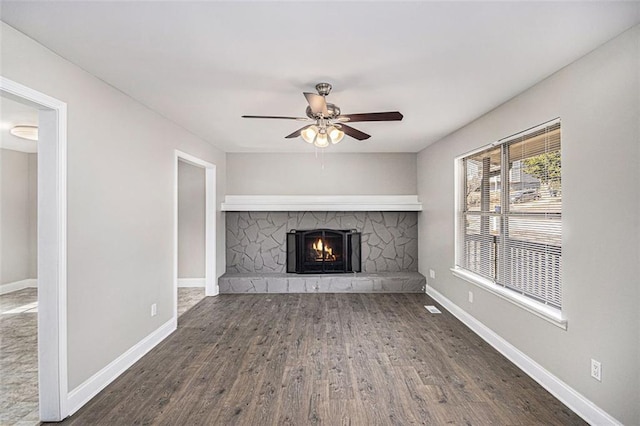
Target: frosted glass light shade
[321, 140]
[335, 134]
[309, 134]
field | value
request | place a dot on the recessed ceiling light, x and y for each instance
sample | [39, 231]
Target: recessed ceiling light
[25, 132]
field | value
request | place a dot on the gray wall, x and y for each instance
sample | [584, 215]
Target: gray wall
[120, 208]
[303, 174]
[18, 222]
[256, 241]
[191, 221]
[597, 98]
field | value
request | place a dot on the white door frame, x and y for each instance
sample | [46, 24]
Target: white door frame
[211, 284]
[52, 247]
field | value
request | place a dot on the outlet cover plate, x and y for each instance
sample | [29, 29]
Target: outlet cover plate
[596, 370]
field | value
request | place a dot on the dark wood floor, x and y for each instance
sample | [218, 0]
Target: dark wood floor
[331, 359]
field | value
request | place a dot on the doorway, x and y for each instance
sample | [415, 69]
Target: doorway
[51, 246]
[18, 263]
[194, 231]
[191, 235]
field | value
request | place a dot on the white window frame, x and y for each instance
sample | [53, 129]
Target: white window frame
[541, 310]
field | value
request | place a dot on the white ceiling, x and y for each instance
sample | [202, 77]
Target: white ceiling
[13, 114]
[204, 64]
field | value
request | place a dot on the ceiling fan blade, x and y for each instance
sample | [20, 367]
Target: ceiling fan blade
[276, 116]
[317, 103]
[354, 133]
[372, 116]
[297, 132]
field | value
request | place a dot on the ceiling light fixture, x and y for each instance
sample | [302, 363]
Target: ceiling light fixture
[320, 135]
[25, 132]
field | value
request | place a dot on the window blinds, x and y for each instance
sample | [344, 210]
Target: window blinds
[509, 223]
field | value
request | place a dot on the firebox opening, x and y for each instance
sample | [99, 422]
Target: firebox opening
[323, 251]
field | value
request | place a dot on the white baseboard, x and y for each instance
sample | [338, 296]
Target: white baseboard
[191, 282]
[94, 384]
[570, 397]
[18, 285]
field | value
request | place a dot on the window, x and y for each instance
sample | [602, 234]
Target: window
[509, 227]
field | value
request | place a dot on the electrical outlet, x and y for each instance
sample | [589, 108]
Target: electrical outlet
[432, 274]
[596, 370]
[470, 297]
[154, 310]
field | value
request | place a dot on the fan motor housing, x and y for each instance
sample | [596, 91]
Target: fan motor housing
[334, 112]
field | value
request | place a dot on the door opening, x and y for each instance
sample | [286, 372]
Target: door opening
[191, 235]
[194, 230]
[51, 246]
[18, 262]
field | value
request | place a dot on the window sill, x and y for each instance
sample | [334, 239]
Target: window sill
[552, 315]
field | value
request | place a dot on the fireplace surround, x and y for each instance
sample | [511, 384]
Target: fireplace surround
[323, 251]
[256, 255]
[256, 241]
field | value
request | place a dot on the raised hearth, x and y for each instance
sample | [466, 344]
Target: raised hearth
[389, 282]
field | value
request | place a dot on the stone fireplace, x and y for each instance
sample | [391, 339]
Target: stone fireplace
[321, 244]
[256, 241]
[323, 251]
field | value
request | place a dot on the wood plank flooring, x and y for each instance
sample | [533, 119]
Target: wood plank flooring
[188, 297]
[322, 359]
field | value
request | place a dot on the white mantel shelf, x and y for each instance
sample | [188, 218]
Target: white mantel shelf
[325, 203]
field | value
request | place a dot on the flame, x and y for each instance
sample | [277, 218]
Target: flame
[322, 250]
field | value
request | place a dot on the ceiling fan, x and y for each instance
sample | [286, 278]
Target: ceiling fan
[328, 124]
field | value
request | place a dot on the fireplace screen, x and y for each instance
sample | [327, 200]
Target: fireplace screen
[323, 251]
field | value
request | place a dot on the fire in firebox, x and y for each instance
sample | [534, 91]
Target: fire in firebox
[323, 251]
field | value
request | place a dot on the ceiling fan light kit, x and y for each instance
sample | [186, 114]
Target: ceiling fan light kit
[328, 122]
[321, 136]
